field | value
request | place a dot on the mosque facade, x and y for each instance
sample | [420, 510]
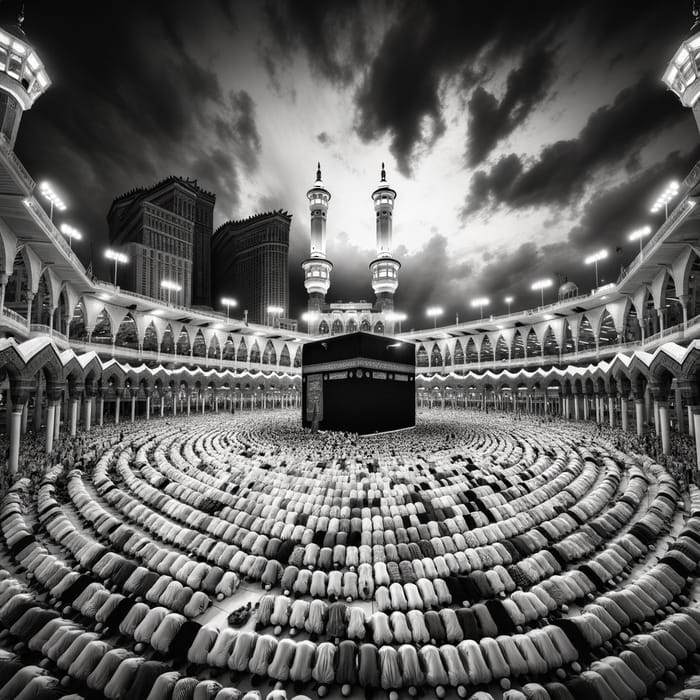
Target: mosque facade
[333, 318]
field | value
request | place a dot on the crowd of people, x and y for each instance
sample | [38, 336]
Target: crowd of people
[198, 558]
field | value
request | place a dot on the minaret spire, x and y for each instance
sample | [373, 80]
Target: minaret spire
[318, 171]
[383, 173]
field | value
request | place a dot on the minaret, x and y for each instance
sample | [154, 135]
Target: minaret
[317, 268]
[22, 78]
[385, 269]
[682, 72]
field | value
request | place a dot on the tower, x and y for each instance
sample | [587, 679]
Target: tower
[384, 268]
[22, 79]
[317, 268]
[681, 75]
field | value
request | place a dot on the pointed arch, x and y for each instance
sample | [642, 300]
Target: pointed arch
[337, 327]
[351, 325]
[607, 335]
[285, 359]
[269, 356]
[127, 334]
[297, 357]
[550, 347]
[569, 345]
[323, 328]
[486, 352]
[470, 354]
[183, 342]
[586, 338]
[42, 304]
[149, 342]
[364, 326]
[102, 332]
[214, 347]
[501, 351]
[631, 330]
[167, 343]
[532, 344]
[435, 356]
[517, 348]
[254, 352]
[242, 352]
[77, 325]
[459, 353]
[447, 355]
[422, 356]
[379, 327]
[199, 345]
[229, 352]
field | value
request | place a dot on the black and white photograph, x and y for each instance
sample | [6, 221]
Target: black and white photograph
[350, 349]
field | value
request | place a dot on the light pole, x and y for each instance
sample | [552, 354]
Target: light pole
[541, 285]
[434, 311]
[171, 287]
[480, 302]
[70, 233]
[276, 311]
[53, 199]
[397, 316]
[309, 316]
[638, 235]
[600, 255]
[665, 197]
[509, 301]
[228, 303]
[118, 258]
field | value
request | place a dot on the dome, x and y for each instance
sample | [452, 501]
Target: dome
[568, 289]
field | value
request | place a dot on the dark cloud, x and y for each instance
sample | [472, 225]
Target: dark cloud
[490, 120]
[564, 168]
[331, 33]
[324, 138]
[245, 127]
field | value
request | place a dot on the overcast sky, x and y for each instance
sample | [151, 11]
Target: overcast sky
[520, 136]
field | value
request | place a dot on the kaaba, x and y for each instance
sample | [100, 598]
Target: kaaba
[359, 382]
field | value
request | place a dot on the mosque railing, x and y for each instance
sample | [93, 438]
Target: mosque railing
[134, 355]
[7, 151]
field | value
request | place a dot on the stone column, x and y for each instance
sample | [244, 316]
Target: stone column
[102, 409]
[577, 407]
[162, 405]
[696, 430]
[189, 403]
[686, 395]
[586, 407]
[117, 404]
[20, 391]
[597, 399]
[57, 420]
[624, 418]
[50, 413]
[691, 422]
[148, 403]
[15, 437]
[87, 419]
[173, 394]
[203, 402]
[25, 414]
[639, 415]
[665, 427]
[133, 406]
[74, 402]
[611, 409]
[53, 396]
[38, 403]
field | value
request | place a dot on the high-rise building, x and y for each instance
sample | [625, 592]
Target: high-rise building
[166, 232]
[250, 264]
